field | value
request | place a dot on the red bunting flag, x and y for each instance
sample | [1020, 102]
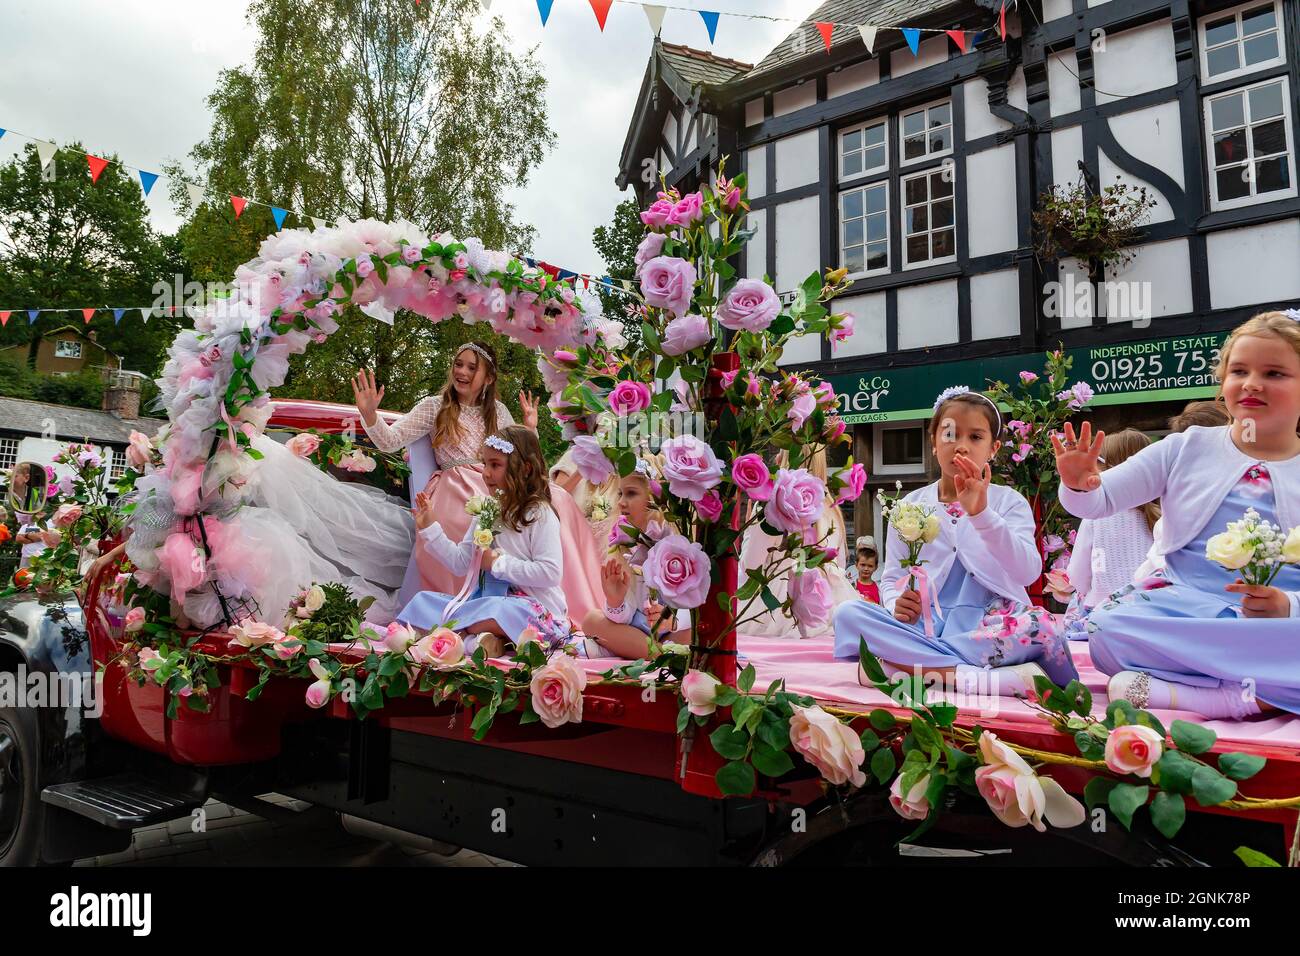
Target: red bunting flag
[89, 314]
[825, 29]
[4, 318]
[601, 9]
[959, 38]
[239, 202]
[1002, 21]
[96, 165]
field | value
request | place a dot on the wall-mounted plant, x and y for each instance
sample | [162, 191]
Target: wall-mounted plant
[1092, 225]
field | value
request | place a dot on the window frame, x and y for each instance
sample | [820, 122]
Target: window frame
[881, 121]
[1241, 71]
[59, 343]
[1212, 169]
[877, 449]
[903, 206]
[5, 468]
[839, 227]
[903, 113]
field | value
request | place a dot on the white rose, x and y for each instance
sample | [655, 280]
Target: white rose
[315, 599]
[475, 505]
[1291, 548]
[909, 526]
[483, 538]
[1230, 549]
[931, 528]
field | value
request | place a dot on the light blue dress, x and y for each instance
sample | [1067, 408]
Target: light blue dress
[1182, 625]
[978, 627]
[493, 599]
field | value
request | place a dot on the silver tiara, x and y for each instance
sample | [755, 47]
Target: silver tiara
[955, 390]
[644, 470]
[500, 444]
[1292, 314]
[475, 347]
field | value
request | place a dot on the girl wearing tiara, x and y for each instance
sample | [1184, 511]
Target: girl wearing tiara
[522, 559]
[1196, 637]
[975, 573]
[455, 422]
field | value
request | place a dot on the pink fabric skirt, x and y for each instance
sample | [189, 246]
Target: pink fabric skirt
[450, 490]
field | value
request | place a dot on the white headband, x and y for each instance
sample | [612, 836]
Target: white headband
[500, 444]
[478, 349]
[956, 390]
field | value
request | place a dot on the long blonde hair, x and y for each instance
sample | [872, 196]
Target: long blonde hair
[1121, 446]
[447, 424]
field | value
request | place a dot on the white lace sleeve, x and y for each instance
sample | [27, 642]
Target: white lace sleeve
[504, 418]
[416, 423]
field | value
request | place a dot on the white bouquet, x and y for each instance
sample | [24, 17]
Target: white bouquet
[1255, 548]
[488, 512]
[915, 523]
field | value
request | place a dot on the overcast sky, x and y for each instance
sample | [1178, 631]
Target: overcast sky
[131, 77]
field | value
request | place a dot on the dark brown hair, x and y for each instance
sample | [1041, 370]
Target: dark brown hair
[1121, 446]
[1205, 412]
[975, 400]
[526, 481]
[447, 424]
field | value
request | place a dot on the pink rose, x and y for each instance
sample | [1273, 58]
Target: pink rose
[1134, 749]
[842, 329]
[442, 648]
[66, 516]
[556, 691]
[620, 533]
[649, 248]
[710, 507]
[304, 444]
[728, 378]
[565, 357]
[732, 199]
[590, 460]
[679, 570]
[364, 267]
[138, 452]
[855, 480]
[1028, 377]
[798, 499]
[399, 637]
[751, 476]
[751, 304]
[288, 649]
[149, 659]
[825, 393]
[658, 215]
[528, 635]
[699, 690]
[668, 283]
[752, 386]
[687, 210]
[690, 467]
[811, 593]
[830, 746]
[255, 634]
[685, 333]
[805, 403]
[1016, 795]
[1058, 583]
[134, 620]
[318, 694]
[410, 254]
[628, 398]
[914, 806]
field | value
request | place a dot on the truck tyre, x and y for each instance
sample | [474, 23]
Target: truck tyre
[22, 815]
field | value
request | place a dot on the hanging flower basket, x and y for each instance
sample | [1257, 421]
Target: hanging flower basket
[1093, 226]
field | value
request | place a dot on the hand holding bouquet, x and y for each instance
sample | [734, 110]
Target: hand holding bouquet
[1257, 550]
[488, 512]
[917, 525]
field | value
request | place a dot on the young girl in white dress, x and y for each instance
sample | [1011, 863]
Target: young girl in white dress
[455, 422]
[978, 569]
[520, 571]
[1196, 637]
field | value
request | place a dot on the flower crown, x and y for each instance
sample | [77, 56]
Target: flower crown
[1292, 314]
[955, 390]
[503, 445]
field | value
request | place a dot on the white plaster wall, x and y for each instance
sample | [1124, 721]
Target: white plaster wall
[1159, 279]
[802, 348]
[1063, 82]
[796, 160]
[1073, 316]
[1254, 264]
[756, 171]
[979, 121]
[1055, 9]
[927, 314]
[855, 77]
[756, 248]
[1135, 61]
[990, 216]
[754, 112]
[930, 51]
[793, 99]
[798, 248]
[995, 304]
[868, 336]
[1067, 150]
[691, 136]
[1154, 136]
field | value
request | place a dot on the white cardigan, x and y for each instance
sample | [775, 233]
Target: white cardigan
[531, 558]
[1192, 472]
[996, 546]
[1107, 554]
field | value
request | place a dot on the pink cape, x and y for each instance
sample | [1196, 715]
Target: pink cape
[450, 490]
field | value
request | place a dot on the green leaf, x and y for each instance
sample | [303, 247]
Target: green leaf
[1239, 766]
[746, 679]
[1147, 719]
[773, 731]
[944, 714]
[870, 740]
[925, 735]
[882, 719]
[883, 764]
[1096, 792]
[1124, 801]
[1176, 771]
[1254, 857]
[725, 696]
[390, 665]
[1090, 748]
[729, 743]
[740, 709]
[1119, 712]
[1210, 788]
[1168, 811]
[529, 716]
[770, 600]
[771, 762]
[1192, 738]
[736, 779]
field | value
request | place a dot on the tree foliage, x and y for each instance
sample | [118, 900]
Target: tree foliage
[617, 243]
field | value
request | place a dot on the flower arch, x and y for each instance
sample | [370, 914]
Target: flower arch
[216, 383]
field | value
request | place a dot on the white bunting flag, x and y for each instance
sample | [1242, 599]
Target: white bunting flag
[45, 151]
[487, 5]
[145, 313]
[655, 14]
[868, 37]
[197, 194]
[376, 310]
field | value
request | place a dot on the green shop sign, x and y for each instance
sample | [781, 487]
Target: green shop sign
[1153, 371]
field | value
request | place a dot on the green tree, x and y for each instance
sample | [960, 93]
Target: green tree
[617, 243]
[371, 108]
[68, 242]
